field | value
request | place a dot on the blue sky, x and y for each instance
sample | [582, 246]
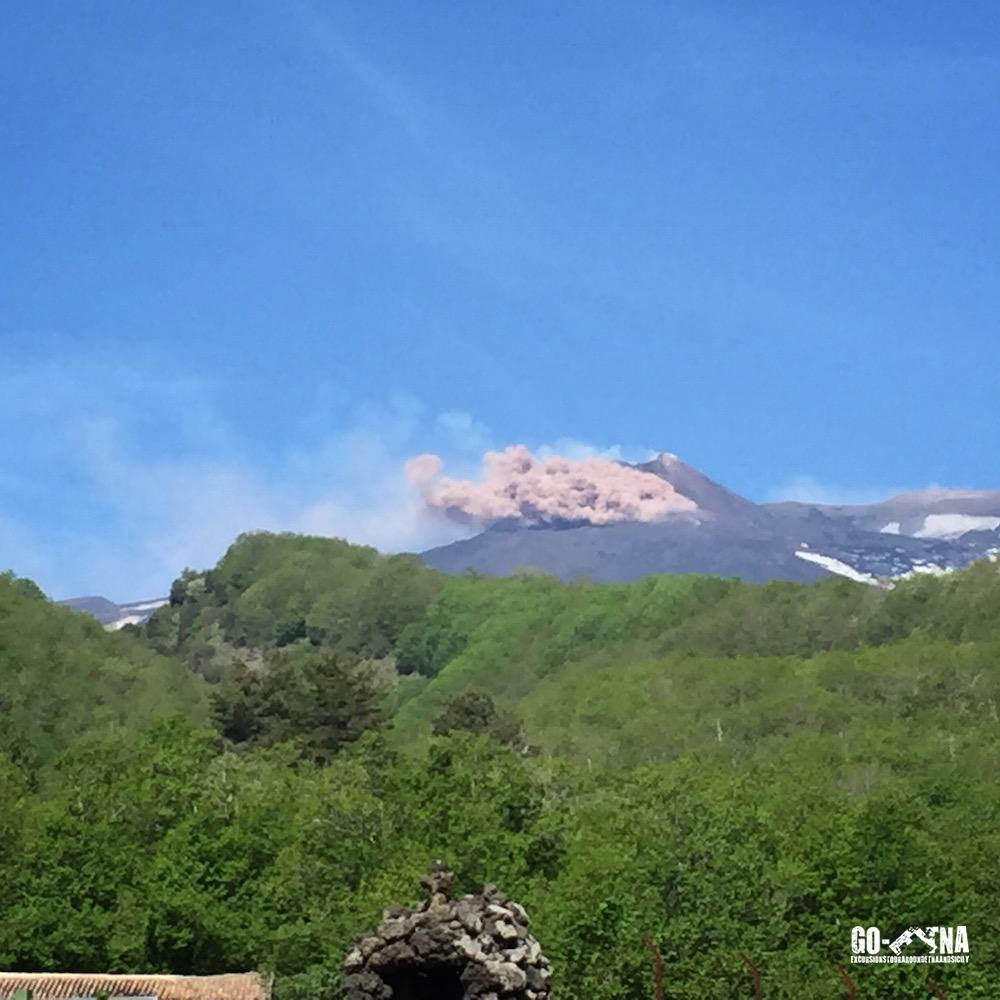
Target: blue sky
[256, 254]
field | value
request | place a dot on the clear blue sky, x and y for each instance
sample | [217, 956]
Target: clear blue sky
[254, 254]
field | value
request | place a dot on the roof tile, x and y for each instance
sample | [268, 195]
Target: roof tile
[70, 985]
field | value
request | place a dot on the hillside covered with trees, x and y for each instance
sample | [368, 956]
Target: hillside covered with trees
[63, 677]
[723, 767]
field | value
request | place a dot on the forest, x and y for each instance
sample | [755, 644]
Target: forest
[246, 780]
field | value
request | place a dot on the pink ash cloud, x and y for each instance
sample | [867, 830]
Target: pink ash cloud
[516, 484]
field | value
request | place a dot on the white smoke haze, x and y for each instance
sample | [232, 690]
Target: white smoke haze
[115, 477]
[516, 484]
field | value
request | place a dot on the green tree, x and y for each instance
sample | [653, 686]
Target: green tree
[317, 701]
[475, 712]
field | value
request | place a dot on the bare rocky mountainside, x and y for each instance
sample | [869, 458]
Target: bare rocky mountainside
[727, 535]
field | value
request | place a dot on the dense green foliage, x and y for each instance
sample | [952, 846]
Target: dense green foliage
[274, 591]
[586, 648]
[62, 676]
[721, 766]
[475, 712]
[316, 700]
[153, 852]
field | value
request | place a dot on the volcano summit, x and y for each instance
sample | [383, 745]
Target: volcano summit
[609, 521]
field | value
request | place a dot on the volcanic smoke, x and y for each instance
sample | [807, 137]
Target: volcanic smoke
[516, 484]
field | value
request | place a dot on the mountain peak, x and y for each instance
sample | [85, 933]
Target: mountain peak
[709, 495]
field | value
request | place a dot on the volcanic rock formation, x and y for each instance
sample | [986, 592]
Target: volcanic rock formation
[472, 948]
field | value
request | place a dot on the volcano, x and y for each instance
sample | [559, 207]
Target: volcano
[933, 531]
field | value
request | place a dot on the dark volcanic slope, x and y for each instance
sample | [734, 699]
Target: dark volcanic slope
[732, 536]
[710, 497]
[622, 552]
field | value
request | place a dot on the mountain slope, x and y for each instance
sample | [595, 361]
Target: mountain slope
[623, 552]
[924, 514]
[729, 535]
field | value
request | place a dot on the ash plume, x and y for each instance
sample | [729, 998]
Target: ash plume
[516, 484]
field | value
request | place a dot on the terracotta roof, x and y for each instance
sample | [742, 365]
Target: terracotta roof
[67, 985]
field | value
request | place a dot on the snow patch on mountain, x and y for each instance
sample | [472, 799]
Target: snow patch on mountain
[120, 623]
[837, 566]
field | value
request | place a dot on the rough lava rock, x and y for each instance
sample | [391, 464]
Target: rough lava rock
[475, 947]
